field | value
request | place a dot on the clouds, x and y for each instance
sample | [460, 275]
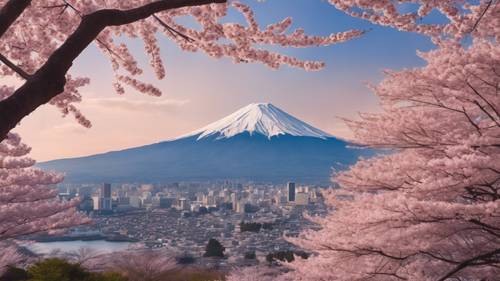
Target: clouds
[127, 104]
[72, 128]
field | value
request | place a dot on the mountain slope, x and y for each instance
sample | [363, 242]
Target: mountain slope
[259, 118]
[259, 142]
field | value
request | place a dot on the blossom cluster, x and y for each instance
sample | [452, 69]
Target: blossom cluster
[46, 24]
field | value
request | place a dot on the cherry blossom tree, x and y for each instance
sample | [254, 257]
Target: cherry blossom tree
[253, 273]
[10, 256]
[141, 265]
[86, 257]
[429, 208]
[459, 18]
[28, 204]
[42, 38]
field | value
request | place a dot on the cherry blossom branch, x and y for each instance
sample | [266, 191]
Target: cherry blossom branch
[171, 30]
[482, 15]
[10, 12]
[487, 102]
[474, 261]
[49, 80]
[14, 67]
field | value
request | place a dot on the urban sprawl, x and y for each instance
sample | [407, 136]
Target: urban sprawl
[249, 220]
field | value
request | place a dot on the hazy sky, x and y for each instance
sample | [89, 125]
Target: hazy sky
[199, 90]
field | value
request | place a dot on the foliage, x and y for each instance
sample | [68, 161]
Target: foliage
[55, 269]
[185, 259]
[44, 56]
[254, 226]
[285, 256]
[429, 209]
[254, 273]
[141, 265]
[28, 203]
[10, 256]
[193, 274]
[250, 226]
[41, 40]
[214, 249]
[14, 274]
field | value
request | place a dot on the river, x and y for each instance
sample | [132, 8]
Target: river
[68, 246]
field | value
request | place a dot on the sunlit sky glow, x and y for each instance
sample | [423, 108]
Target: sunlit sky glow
[199, 89]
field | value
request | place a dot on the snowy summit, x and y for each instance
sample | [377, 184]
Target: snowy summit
[259, 118]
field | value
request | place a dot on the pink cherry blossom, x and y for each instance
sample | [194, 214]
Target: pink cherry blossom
[428, 206]
[42, 30]
[28, 203]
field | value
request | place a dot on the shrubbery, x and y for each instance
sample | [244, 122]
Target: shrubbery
[287, 256]
[185, 259]
[214, 249]
[254, 226]
[55, 269]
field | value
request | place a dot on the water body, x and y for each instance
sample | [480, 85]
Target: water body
[68, 246]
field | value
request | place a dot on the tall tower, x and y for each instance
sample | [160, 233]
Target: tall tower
[234, 200]
[291, 191]
[106, 196]
[106, 190]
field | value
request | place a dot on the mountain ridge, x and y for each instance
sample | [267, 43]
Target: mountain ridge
[259, 142]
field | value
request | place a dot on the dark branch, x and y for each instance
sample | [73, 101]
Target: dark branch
[50, 79]
[172, 31]
[483, 259]
[481, 15]
[10, 12]
[14, 67]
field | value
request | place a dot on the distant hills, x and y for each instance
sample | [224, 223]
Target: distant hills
[259, 142]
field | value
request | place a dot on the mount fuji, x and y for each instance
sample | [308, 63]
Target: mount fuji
[259, 142]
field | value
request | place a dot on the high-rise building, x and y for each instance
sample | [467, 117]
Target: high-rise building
[106, 190]
[240, 206]
[291, 191]
[106, 197]
[96, 200]
[234, 200]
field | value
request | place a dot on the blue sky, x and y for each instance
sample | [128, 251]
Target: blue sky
[199, 90]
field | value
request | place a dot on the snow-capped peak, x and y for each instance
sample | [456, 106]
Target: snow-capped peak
[259, 118]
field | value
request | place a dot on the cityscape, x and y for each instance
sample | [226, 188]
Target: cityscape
[183, 217]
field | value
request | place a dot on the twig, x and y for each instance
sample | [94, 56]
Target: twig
[172, 31]
[14, 67]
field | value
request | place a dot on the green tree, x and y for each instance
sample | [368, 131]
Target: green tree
[57, 270]
[287, 256]
[185, 259]
[250, 226]
[14, 274]
[214, 249]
